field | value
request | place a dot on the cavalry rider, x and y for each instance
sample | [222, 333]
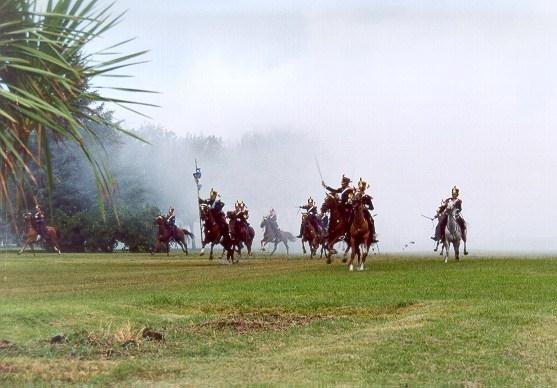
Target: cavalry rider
[39, 222]
[368, 206]
[343, 190]
[241, 213]
[170, 220]
[313, 217]
[215, 207]
[453, 202]
[272, 218]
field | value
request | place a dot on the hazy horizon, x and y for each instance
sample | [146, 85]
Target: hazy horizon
[413, 96]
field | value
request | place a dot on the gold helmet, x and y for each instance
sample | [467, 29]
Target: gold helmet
[362, 185]
[455, 191]
[213, 194]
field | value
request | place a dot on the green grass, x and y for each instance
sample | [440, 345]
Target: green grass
[281, 321]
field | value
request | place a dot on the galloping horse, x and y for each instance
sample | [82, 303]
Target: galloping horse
[274, 236]
[165, 236]
[337, 223]
[213, 235]
[241, 233]
[453, 233]
[310, 235]
[52, 237]
[360, 233]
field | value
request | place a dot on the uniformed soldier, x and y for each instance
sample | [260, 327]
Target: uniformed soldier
[453, 202]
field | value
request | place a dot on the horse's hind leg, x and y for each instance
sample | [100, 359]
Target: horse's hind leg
[456, 247]
[446, 247]
[275, 248]
[465, 251]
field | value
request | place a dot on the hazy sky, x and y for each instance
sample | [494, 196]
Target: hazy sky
[414, 96]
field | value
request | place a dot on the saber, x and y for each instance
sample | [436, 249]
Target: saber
[429, 218]
[318, 168]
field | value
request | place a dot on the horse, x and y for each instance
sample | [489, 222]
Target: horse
[241, 233]
[165, 236]
[453, 234]
[337, 223]
[271, 234]
[214, 235]
[52, 237]
[310, 235]
[361, 234]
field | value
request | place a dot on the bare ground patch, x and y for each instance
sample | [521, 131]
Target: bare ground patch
[247, 322]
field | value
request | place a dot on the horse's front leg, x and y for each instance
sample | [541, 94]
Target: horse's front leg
[303, 247]
[446, 246]
[456, 246]
[465, 251]
[23, 248]
[275, 248]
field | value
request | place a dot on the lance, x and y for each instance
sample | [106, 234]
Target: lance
[197, 177]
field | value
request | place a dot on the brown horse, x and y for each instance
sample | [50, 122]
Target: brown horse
[215, 234]
[273, 235]
[310, 235]
[241, 233]
[361, 234]
[52, 237]
[338, 223]
[165, 236]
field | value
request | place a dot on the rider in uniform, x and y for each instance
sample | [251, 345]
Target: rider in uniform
[170, 220]
[368, 206]
[215, 207]
[312, 217]
[453, 202]
[39, 222]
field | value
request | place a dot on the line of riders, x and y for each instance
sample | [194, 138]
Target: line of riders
[311, 218]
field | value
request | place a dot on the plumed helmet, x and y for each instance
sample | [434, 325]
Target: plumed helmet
[171, 209]
[362, 185]
[213, 193]
[310, 200]
[455, 191]
[272, 212]
[345, 179]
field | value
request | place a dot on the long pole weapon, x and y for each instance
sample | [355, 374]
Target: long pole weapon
[197, 177]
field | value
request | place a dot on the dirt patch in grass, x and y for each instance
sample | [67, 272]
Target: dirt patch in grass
[262, 321]
[7, 368]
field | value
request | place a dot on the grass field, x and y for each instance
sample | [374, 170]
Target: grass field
[276, 321]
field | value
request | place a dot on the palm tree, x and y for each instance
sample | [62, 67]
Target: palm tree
[46, 91]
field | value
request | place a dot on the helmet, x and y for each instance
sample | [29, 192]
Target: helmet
[310, 201]
[455, 191]
[171, 209]
[213, 194]
[345, 180]
[362, 185]
[38, 207]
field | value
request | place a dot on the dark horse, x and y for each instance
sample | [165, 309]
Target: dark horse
[338, 223]
[165, 237]
[361, 234]
[274, 235]
[52, 237]
[310, 235]
[214, 235]
[241, 233]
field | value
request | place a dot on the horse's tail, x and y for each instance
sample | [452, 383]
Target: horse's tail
[188, 233]
[289, 236]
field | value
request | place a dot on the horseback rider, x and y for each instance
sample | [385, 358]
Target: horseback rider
[39, 222]
[272, 219]
[170, 220]
[453, 202]
[368, 206]
[343, 190]
[313, 218]
[215, 208]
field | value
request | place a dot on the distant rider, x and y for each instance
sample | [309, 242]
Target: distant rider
[215, 207]
[39, 222]
[312, 218]
[453, 202]
[368, 206]
[170, 220]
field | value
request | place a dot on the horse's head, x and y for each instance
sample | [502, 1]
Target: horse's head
[452, 210]
[27, 216]
[159, 220]
[203, 211]
[330, 202]
[264, 222]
